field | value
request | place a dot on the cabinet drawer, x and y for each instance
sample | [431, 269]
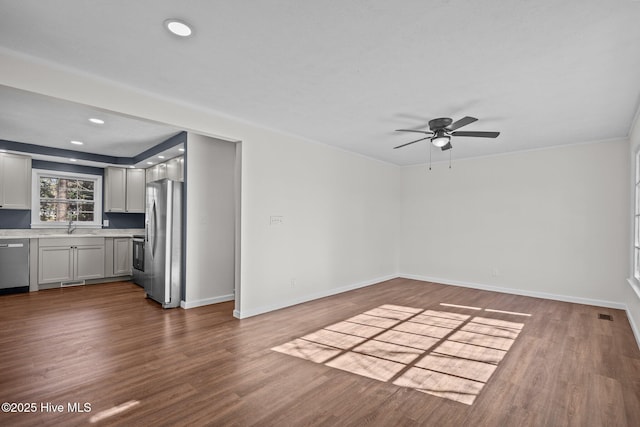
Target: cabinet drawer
[71, 241]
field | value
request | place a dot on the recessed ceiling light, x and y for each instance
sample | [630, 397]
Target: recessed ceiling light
[96, 121]
[181, 149]
[131, 166]
[72, 160]
[179, 28]
[161, 157]
[149, 163]
[77, 142]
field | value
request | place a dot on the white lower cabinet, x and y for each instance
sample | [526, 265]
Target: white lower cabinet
[70, 259]
[122, 261]
[89, 262]
[118, 258]
[55, 264]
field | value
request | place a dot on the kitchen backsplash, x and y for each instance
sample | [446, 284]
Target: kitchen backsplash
[21, 219]
[13, 218]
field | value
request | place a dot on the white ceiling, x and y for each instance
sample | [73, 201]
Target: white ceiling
[347, 73]
[41, 120]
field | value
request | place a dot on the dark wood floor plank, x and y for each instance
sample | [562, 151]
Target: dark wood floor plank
[107, 345]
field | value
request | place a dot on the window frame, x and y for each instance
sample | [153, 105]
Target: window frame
[636, 216]
[634, 277]
[36, 174]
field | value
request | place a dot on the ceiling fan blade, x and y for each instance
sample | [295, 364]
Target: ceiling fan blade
[447, 147]
[462, 122]
[426, 132]
[408, 143]
[476, 133]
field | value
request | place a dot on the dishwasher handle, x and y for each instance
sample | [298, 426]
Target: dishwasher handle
[11, 245]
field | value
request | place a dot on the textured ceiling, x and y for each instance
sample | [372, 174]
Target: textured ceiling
[347, 73]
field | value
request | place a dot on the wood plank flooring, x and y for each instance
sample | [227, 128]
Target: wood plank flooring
[108, 346]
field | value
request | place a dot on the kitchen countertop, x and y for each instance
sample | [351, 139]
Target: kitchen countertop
[61, 233]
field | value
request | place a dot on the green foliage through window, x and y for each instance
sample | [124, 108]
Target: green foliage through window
[66, 199]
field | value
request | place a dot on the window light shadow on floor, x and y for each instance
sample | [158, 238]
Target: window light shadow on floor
[442, 353]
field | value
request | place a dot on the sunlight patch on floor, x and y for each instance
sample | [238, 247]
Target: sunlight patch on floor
[442, 353]
[113, 411]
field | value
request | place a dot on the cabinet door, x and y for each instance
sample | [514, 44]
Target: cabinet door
[122, 260]
[162, 170]
[135, 190]
[115, 189]
[15, 181]
[151, 174]
[172, 170]
[2, 179]
[55, 264]
[89, 262]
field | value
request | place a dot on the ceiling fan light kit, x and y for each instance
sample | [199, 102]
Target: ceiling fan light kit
[442, 129]
[440, 139]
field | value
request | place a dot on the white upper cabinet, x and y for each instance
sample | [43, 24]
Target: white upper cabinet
[124, 190]
[172, 169]
[175, 170]
[15, 181]
[115, 185]
[136, 186]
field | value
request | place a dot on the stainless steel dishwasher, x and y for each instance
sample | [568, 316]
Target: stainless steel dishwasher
[14, 265]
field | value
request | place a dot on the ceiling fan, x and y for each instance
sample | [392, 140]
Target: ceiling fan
[443, 129]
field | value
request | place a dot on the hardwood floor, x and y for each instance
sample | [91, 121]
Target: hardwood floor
[108, 346]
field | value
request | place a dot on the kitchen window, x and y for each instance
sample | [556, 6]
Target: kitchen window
[61, 197]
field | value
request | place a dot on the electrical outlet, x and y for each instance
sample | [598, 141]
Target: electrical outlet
[276, 220]
[495, 272]
[105, 223]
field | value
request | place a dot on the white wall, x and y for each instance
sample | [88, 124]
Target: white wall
[339, 223]
[210, 221]
[549, 223]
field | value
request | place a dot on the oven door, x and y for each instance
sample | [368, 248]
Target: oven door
[138, 254]
[138, 261]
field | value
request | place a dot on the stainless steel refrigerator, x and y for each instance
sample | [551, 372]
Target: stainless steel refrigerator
[162, 275]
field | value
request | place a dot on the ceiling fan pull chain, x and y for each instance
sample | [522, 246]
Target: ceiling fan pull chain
[450, 150]
[430, 150]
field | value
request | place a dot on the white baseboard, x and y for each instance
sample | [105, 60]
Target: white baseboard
[206, 301]
[535, 294]
[309, 297]
[523, 292]
[634, 328]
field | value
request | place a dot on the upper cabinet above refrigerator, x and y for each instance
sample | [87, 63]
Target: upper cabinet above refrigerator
[171, 169]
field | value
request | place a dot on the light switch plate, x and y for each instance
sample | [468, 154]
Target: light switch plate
[276, 220]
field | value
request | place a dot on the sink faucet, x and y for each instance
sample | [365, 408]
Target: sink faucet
[70, 228]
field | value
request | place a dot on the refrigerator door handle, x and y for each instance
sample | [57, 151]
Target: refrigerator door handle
[154, 226]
